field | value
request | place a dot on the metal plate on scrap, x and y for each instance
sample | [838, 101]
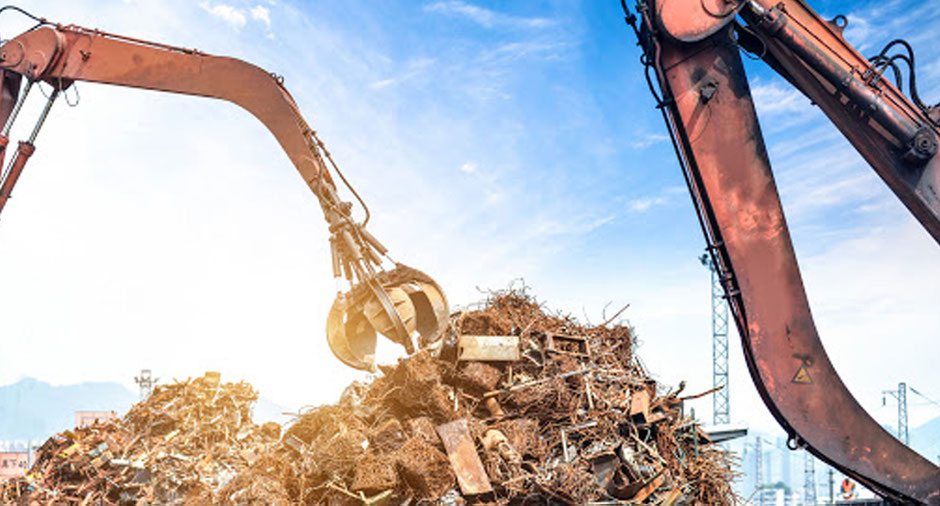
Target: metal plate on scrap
[463, 457]
[489, 348]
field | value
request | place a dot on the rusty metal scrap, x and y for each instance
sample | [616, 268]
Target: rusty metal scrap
[464, 458]
[575, 420]
[488, 348]
[553, 427]
[185, 441]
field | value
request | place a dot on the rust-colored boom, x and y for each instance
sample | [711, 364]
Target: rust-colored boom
[693, 48]
[60, 55]
[401, 303]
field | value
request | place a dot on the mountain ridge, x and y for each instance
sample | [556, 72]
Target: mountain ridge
[34, 410]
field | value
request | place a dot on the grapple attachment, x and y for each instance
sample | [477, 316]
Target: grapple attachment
[403, 304]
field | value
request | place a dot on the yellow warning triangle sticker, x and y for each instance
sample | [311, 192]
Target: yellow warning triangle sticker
[802, 376]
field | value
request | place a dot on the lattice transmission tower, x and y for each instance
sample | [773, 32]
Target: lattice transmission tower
[146, 382]
[720, 399]
[759, 471]
[901, 397]
[809, 479]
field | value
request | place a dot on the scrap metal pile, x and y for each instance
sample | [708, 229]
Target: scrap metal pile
[516, 406]
[180, 445]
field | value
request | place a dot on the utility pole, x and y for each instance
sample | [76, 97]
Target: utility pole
[809, 479]
[759, 472]
[758, 475]
[832, 486]
[145, 381]
[901, 397]
[720, 400]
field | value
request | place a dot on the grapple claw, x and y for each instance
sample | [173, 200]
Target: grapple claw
[402, 304]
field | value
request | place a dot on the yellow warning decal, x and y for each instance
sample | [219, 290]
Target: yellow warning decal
[802, 376]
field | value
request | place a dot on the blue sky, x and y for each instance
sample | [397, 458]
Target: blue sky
[494, 141]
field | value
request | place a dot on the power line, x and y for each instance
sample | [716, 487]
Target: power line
[928, 399]
[935, 403]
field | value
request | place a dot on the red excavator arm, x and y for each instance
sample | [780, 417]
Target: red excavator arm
[402, 303]
[692, 47]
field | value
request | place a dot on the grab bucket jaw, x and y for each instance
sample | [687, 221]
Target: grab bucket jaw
[405, 305]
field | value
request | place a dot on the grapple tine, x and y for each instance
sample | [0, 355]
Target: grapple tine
[350, 336]
[415, 309]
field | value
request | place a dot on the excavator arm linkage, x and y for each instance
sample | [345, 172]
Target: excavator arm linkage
[402, 303]
[693, 48]
[708, 108]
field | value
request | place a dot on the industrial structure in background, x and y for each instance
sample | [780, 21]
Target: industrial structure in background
[809, 478]
[145, 382]
[15, 459]
[721, 399]
[775, 487]
[901, 397]
[758, 455]
[832, 484]
[89, 418]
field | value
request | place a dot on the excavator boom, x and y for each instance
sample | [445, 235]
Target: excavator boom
[692, 47]
[401, 303]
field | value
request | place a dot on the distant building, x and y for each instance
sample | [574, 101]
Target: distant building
[778, 495]
[786, 464]
[13, 464]
[86, 418]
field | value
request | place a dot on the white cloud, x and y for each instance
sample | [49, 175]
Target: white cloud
[413, 70]
[384, 83]
[226, 13]
[661, 198]
[468, 168]
[491, 72]
[644, 204]
[494, 197]
[486, 17]
[598, 223]
[646, 140]
[261, 13]
[775, 98]
[869, 289]
[511, 51]
[858, 29]
[236, 17]
[817, 194]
